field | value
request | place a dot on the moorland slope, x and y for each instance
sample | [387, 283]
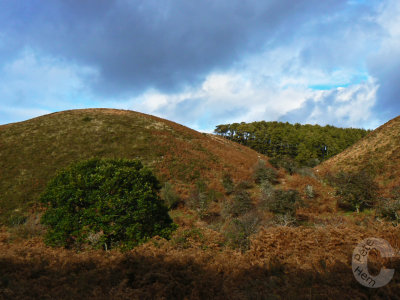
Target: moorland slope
[32, 151]
[378, 153]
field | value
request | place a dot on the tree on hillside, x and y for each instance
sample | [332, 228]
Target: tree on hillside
[104, 203]
[307, 144]
[356, 191]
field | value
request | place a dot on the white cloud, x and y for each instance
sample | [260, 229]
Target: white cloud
[344, 106]
[327, 70]
[268, 86]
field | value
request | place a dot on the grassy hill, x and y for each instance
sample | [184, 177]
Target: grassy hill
[306, 257]
[31, 152]
[378, 153]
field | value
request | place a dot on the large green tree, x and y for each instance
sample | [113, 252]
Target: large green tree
[104, 203]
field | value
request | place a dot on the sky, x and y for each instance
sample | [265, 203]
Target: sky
[204, 63]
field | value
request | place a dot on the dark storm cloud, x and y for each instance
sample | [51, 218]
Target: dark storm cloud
[163, 44]
[387, 69]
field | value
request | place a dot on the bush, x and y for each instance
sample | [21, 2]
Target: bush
[274, 161]
[104, 203]
[306, 172]
[228, 184]
[263, 173]
[285, 220]
[289, 164]
[243, 185]
[266, 189]
[282, 202]
[239, 231]
[390, 209]
[309, 191]
[200, 198]
[183, 239]
[171, 199]
[240, 205]
[356, 191]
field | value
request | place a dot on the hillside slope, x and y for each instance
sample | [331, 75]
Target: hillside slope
[32, 151]
[378, 152]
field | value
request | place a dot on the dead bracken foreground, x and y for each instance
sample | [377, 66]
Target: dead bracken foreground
[282, 263]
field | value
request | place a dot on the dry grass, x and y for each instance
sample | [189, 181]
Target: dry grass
[283, 263]
[379, 152]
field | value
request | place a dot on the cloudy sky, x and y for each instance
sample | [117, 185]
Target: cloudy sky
[203, 63]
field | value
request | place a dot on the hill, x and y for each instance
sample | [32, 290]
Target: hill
[378, 153]
[241, 249]
[32, 151]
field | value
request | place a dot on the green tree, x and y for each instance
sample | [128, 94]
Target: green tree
[356, 191]
[104, 203]
[262, 173]
[308, 144]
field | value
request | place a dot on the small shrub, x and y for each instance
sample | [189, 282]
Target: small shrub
[31, 227]
[16, 219]
[267, 189]
[312, 162]
[184, 238]
[263, 173]
[389, 209]
[200, 198]
[274, 161]
[306, 172]
[243, 185]
[396, 192]
[104, 203]
[240, 204]
[282, 202]
[309, 191]
[289, 164]
[87, 119]
[356, 191]
[285, 220]
[228, 184]
[171, 199]
[240, 229]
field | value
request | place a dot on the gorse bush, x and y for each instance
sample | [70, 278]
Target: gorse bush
[239, 205]
[281, 201]
[200, 198]
[263, 173]
[243, 185]
[228, 184]
[104, 203]
[389, 208]
[168, 194]
[290, 165]
[309, 191]
[239, 230]
[356, 191]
